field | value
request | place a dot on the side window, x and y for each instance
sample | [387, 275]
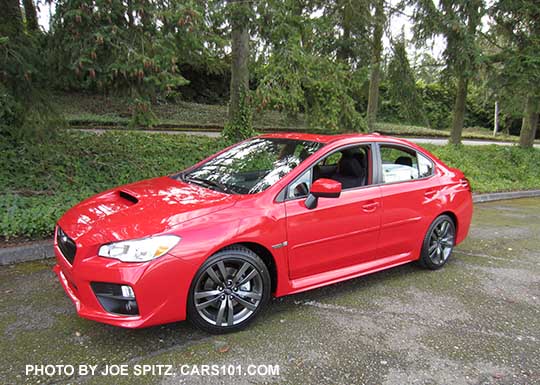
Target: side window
[300, 187]
[398, 164]
[425, 166]
[350, 166]
[332, 159]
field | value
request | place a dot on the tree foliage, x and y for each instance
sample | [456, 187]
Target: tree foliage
[25, 110]
[240, 122]
[296, 73]
[458, 21]
[322, 60]
[96, 46]
[515, 53]
[378, 21]
[402, 88]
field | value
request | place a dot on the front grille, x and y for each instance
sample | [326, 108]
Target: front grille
[66, 245]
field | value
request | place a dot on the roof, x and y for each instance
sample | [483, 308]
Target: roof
[347, 138]
[318, 137]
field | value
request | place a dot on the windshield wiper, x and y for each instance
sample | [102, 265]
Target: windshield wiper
[220, 186]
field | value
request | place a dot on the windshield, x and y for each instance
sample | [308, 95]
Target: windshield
[251, 166]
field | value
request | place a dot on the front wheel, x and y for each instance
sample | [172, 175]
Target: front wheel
[438, 243]
[228, 291]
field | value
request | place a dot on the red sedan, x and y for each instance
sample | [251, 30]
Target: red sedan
[270, 216]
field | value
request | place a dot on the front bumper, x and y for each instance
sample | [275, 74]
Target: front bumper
[161, 287]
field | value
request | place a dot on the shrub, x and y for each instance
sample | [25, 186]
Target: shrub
[41, 180]
[493, 168]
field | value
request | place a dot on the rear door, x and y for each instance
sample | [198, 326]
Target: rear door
[409, 194]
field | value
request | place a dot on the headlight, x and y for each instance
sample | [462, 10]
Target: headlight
[139, 250]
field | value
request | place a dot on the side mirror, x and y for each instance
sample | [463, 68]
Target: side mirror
[322, 188]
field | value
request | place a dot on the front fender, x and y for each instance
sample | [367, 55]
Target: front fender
[202, 237]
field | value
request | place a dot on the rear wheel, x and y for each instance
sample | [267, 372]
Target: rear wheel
[438, 243]
[229, 290]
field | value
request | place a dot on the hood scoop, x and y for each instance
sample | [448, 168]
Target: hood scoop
[129, 196]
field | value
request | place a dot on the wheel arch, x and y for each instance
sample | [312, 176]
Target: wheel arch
[452, 216]
[265, 254]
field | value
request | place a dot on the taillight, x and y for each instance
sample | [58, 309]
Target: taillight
[464, 182]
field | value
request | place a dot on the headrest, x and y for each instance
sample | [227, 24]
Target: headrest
[404, 160]
[349, 165]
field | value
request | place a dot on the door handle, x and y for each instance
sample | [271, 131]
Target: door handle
[430, 193]
[370, 207]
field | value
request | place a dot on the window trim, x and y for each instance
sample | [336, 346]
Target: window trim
[398, 145]
[288, 187]
[418, 153]
[283, 194]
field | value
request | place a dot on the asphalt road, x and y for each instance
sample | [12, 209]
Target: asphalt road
[441, 142]
[476, 321]
[214, 134]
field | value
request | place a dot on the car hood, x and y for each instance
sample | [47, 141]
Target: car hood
[140, 209]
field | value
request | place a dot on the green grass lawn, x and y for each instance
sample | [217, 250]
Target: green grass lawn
[42, 180]
[114, 112]
[97, 109]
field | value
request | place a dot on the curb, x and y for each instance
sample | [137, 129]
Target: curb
[44, 249]
[480, 198]
[25, 253]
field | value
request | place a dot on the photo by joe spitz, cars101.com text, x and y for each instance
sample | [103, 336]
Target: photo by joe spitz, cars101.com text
[273, 215]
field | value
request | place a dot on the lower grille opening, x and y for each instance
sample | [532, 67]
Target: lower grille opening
[115, 298]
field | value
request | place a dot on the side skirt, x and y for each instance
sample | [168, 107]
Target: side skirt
[329, 277]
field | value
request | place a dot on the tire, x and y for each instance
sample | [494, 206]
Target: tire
[438, 243]
[212, 296]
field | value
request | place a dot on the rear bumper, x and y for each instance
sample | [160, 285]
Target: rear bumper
[464, 215]
[161, 288]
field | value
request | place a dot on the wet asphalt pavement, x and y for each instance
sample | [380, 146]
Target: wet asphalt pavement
[476, 321]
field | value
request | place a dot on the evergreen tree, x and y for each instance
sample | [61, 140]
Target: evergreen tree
[31, 15]
[309, 64]
[239, 126]
[10, 19]
[516, 57]
[402, 86]
[379, 19]
[458, 21]
[25, 110]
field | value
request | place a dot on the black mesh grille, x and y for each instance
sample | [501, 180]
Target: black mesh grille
[66, 245]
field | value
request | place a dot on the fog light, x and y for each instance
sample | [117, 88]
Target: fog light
[127, 292]
[116, 298]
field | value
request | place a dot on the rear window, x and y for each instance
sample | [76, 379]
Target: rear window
[400, 164]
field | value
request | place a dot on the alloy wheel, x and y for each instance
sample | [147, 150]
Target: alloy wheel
[441, 242]
[228, 292]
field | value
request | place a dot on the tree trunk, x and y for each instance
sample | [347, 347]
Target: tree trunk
[507, 123]
[240, 57]
[130, 13]
[373, 98]
[344, 51]
[496, 119]
[31, 16]
[459, 111]
[10, 18]
[529, 123]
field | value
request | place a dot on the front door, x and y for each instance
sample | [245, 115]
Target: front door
[339, 232]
